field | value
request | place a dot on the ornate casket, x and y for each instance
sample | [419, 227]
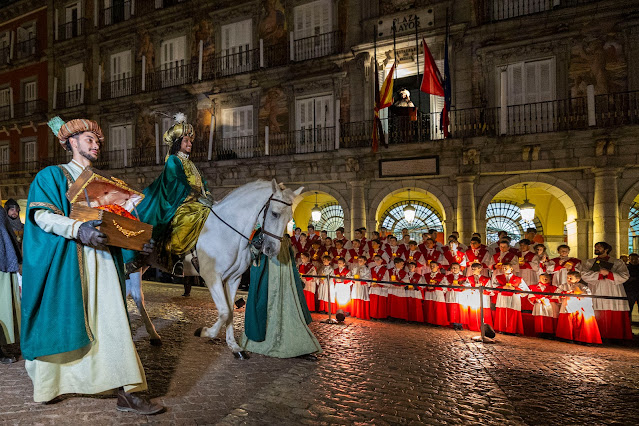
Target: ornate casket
[97, 196]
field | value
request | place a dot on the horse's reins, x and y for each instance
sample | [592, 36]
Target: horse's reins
[264, 209]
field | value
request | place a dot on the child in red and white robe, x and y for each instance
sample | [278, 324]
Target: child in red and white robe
[378, 293]
[435, 297]
[545, 308]
[577, 317]
[359, 295]
[415, 296]
[307, 268]
[397, 297]
[605, 277]
[470, 310]
[338, 251]
[376, 250]
[342, 285]
[526, 261]
[457, 279]
[477, 253]
[355, 252]
[326, 288]
[430, 254]
[394, 249]
[508, 307]
[451, 255]
[560, 266]
[413, 254]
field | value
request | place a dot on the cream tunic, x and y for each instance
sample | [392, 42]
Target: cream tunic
[9, 308]
[110, 361]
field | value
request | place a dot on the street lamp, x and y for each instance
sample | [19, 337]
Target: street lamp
[316, 213]
[409, 211]
[527, 209]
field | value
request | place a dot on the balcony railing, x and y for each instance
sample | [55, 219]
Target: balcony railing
[118, 12]
[72, 29]
[70, 98]
[29, 108]
[498, 10]
[143, 7]
[551, 116]
[4, 55]
[238, 147]
[617, 109]
[318, 139]
[276, 55]
[171, 76]
[316, 46]
[122, 87]
[5, 112]
[236, 63]
[26, 48]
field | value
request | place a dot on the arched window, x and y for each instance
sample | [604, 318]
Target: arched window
[426, 217]
[633, 230]
[332, 218]
[504, 215]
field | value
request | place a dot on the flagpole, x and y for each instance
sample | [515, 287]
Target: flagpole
[394, 48]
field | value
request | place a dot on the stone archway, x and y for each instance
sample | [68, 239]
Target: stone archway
[310, 189]
[443, 202]
[624, 217]
[577, 212]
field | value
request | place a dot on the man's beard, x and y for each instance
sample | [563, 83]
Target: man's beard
[598, 252]
[89, 156]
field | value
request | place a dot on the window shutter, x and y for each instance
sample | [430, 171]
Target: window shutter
[515, 84]
[4, 154]
[29, 152]
[546, 80]
[30, 91]
[531, 87]
[4, 97]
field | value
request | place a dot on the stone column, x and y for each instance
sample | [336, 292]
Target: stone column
[358, 206]
[605, 216]
[466, 210]
[624, 224]
[577, 238]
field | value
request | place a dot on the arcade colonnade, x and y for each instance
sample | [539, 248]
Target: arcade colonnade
[574, 208]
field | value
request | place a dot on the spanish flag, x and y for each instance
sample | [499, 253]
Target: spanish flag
[383, 99]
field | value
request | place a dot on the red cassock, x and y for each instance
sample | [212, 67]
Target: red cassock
[397, 297]
[354, 255]
[415, 299]
[309, 285]
[381, 253]
[476, 258]
[378, 294]
[415, 256]
[396, 251]
[454, 257]
[612, 315]
[508, 310]
[527, 315]
[472, 317]
[435, 301]
[429, 255]
[577, 321]
[338, 253]
[453, 296]
[343, 289]
[545, 309]
[360, 298]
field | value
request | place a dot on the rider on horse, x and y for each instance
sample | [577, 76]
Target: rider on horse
[178, 202]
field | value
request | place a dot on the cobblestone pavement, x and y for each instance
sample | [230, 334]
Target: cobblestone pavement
[377, 372]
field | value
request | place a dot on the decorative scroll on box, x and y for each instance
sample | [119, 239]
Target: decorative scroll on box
[96, 196]
[415, 166]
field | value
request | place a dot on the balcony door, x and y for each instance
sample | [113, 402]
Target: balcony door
[74, 93]
[4, 47]
[116, 11]
[313, 26]
[72, 20]
[530, 96]
[315, 124]
[121, 138]
[237, 132]
[29, 154]
[26, 40]
[237, 43]
[172, 62]
[5, 104]
[30, 96]
[4, 157]
[121, 74]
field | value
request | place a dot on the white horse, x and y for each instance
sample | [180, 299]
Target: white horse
[223, 250]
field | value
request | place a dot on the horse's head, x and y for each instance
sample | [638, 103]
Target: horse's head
[278, 215]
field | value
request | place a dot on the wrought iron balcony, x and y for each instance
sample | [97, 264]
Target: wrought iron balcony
[73, 29]
[27, 48]
[316, 46]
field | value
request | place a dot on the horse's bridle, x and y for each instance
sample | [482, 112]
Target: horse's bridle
[264, 209]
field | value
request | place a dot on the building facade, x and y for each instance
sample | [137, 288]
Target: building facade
[544, 106]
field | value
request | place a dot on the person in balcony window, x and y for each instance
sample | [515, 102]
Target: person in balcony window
[177, 203]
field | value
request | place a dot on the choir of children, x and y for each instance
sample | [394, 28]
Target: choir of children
[390, 278]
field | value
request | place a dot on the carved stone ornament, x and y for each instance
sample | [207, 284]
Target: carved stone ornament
[604, 147]
[530, 152]
[471, 157]
[352, 164]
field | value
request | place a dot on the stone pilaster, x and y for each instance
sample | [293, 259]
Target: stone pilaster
[605, 210]
[358, 206]
[577, 237]
[466, 210]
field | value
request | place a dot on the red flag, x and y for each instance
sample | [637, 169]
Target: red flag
[386, 92]
[432, 80]
[383, 99]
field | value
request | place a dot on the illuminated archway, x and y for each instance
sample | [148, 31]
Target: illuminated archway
[504, 215]
[332, 211]
[426, 217]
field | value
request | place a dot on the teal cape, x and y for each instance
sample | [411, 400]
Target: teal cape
[53, 314]
[257, 300]
[162, 199]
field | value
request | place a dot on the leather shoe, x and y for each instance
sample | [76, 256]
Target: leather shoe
[135, 404]
[7, 360]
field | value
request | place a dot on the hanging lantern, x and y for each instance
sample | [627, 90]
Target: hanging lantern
[409, 211]
[527, 209]
[316, 213]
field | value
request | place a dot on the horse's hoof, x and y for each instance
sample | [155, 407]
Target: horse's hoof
[198, 332]
[156, 342]
[241, 355]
